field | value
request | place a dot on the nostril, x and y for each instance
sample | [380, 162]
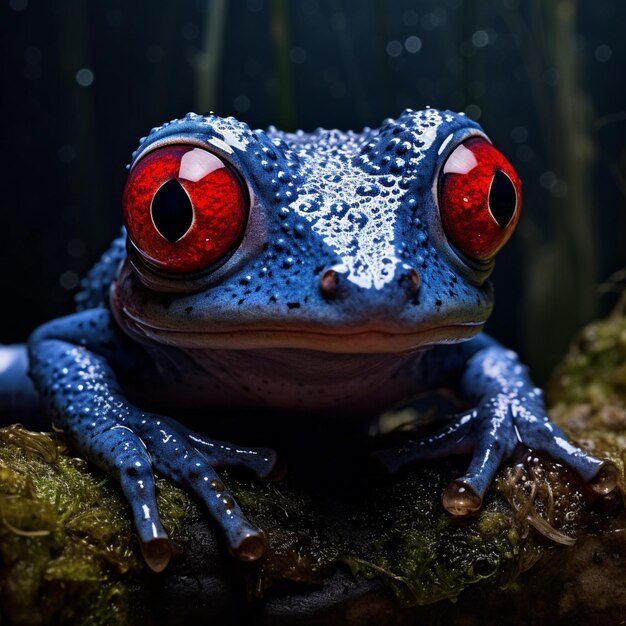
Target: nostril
[414, 280]
[329, 282]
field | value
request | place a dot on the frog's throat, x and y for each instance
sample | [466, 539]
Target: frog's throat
[365, 341]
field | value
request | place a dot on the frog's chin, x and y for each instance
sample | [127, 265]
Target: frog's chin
[367, 341]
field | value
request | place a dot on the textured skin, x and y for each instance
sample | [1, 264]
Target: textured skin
[343, 298]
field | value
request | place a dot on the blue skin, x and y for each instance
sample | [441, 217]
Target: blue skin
[291, 325]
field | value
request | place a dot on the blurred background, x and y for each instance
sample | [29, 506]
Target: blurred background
[82, 81]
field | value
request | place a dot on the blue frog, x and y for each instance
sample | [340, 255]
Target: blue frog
[327, 276]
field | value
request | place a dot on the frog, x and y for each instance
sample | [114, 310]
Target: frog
[325, 275]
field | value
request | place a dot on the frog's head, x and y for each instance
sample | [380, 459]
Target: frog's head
[379, 241]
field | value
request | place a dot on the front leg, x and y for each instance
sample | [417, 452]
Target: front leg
[507, 410]
[74, 362]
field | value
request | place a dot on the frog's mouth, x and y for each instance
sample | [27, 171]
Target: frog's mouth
[355, 341]
[371, 335]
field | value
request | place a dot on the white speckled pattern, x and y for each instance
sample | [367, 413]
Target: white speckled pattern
[361, 233]
[231, 130]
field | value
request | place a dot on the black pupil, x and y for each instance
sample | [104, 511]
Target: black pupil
[502, 198]
[172, 212]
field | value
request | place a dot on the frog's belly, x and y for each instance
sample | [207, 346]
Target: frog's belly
[290, 380]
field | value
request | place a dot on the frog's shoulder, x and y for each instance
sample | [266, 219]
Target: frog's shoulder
[94, 290]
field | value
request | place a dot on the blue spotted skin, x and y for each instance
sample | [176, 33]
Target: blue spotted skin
[344, 298]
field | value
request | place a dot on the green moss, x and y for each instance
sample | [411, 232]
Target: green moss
[395, 530]
[67, 548]
[594, 370]
[587, 392]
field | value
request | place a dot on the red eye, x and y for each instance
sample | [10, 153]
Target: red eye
[480, 199]
[184, 208]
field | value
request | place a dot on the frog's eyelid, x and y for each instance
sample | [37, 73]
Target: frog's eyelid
[207, 143]
[200, 143]
[446, 141]
[453, 141]
[170, 140]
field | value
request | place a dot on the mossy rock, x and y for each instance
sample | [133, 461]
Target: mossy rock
[67, 550]
[347, 543]
[587, 392]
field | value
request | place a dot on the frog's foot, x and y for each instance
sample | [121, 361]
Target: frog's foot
[82, 390]
[491, 432]
[189, 459]
[132, 444]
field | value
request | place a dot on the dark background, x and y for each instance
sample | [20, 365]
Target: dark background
[82, 81]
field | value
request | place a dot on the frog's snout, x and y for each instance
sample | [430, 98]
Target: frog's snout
[332, 283]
